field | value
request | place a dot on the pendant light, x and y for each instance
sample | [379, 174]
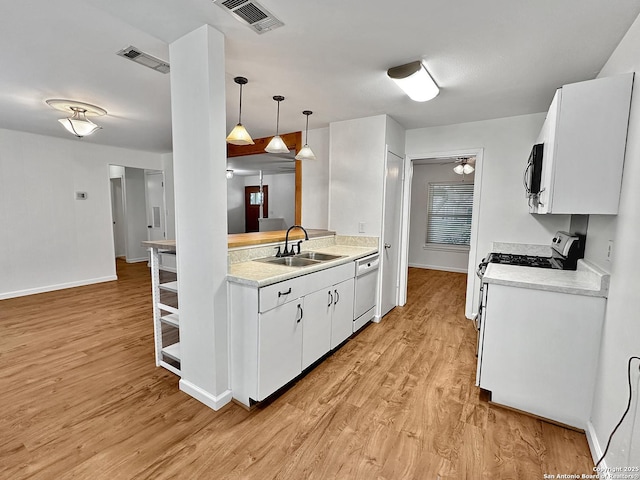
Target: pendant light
[277, 145]
[305, 152]
[239, 134]
[78, 124]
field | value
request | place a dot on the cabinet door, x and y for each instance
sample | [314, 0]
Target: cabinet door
[279, 347]
[342, 315]
[316, 328]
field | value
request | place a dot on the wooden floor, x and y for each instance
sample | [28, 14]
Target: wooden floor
[81, 398]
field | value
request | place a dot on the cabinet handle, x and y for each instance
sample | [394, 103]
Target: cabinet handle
[337, 296]
[280, 294]
[301, 313]
[330, 298]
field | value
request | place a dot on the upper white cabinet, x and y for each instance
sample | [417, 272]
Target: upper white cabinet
[584, 138]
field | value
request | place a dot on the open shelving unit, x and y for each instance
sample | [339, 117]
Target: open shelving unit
[166, 314]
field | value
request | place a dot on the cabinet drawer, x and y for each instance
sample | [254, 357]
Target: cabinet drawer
[281, 293]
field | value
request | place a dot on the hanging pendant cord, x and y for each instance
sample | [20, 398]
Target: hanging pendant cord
[278, 120]
[306, 132]
[240, 113]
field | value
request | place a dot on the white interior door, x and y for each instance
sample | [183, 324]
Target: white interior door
[117, 214]
[390, 254]
[156, 217]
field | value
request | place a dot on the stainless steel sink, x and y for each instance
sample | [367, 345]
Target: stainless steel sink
[289, 261]
[321, 257]
[300, 260]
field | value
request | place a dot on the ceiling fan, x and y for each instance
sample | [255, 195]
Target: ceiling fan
[464, 165]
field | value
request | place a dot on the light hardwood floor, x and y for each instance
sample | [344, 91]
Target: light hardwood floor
[81, 398]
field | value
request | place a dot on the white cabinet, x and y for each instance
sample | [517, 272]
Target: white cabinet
[166, 315]
[584, 138]
[279, 346]
[539, 349]
[328, 320]
[342, 312]
[279, 330]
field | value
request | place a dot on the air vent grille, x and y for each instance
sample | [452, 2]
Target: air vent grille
[138, 56]
[251, 13]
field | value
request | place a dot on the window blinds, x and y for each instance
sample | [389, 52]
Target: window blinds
[449, 213]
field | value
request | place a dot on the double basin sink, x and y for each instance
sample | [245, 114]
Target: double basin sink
[303, 259]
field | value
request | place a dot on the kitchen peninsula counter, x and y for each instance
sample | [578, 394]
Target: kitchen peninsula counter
[260, 274]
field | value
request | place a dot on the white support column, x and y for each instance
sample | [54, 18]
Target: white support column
[199, 158]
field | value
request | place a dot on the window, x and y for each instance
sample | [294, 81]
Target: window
[449, 214]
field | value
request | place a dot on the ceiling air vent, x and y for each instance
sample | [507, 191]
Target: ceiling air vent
[250, 13]
[138, 56]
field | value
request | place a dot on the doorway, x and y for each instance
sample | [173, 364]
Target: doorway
[409, 230]
[156, 216]
[256, 206]
[118, 218]
[390, 252]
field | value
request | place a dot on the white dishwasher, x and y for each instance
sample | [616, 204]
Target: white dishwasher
[365, 291]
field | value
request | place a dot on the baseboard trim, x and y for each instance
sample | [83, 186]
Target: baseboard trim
[594, 446]
[137, 260]
[59, 286]
[211, 401]
[434, 267]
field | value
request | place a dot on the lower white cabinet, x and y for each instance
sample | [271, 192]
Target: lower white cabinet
[328, 320]
[279, 346]
[279, 330]
[539, 351]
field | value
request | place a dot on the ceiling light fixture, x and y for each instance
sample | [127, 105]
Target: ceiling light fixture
[305, 152]
[277, 145]
[78, 124]
[229, 174]
[463, 167]
[415, 80]
[239, 134]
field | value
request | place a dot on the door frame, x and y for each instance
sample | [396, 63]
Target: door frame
[434, 157]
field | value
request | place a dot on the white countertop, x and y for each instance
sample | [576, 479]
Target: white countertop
[587, 280]
[260, 274]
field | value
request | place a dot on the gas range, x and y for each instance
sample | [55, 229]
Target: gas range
[566, 249]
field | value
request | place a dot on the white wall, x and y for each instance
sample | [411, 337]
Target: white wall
[282, 198]
[235, 204]
[315, 181]
[621, 334]
[357, 154]
[419, 256]
[136, 214]
[503, 212]
[169, 196]
[50, 240]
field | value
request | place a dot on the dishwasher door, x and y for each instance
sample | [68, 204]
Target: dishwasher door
[366, 288]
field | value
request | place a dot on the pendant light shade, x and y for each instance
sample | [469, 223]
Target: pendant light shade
[277, 145]
[464, 167]
[305, 152]
[239, 134]
[79, 124]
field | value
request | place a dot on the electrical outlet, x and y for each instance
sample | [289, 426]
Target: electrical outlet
[361, 226]
[609, 250]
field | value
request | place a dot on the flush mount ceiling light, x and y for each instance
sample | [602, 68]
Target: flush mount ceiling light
[78, 124]
[463, 166]
[415, 80]
[277, 145]
[229, 174]
[305, 152]
[239, 134]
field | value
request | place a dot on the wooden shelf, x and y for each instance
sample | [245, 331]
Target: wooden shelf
[171, 319]
[172, 351]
